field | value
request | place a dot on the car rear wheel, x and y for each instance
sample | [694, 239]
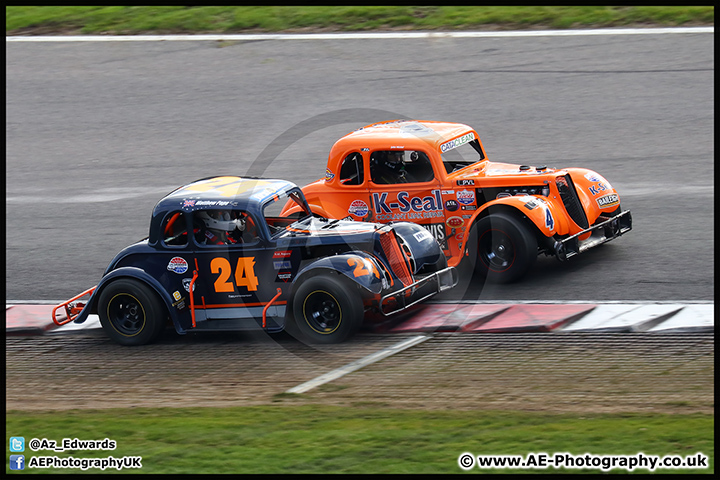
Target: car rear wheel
[131, 313]
[327, 310]
[505, 248]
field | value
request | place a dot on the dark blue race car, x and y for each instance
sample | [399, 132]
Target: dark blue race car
[220, 257]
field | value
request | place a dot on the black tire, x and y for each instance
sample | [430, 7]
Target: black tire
[326, 310]
[505, 248]
[131, 312]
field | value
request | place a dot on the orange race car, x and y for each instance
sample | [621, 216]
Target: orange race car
[437, 174]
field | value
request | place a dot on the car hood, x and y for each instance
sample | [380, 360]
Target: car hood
[318, 226]
[494, 169]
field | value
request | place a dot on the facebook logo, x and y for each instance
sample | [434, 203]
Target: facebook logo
[17, 462]
[17, 444]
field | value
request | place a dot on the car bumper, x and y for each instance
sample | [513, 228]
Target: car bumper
[599, 234]
[423, 289]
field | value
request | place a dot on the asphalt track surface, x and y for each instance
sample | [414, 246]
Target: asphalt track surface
[98, 132]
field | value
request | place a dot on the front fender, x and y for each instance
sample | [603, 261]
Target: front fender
[545, 215]
[596, 194]
[360, 267]
[425, 250]
[138, 274]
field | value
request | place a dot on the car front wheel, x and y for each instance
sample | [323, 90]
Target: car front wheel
[505, 248]
[327, 310]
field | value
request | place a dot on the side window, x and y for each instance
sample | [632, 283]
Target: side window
[223, 227]
[175, 229]
[400, 166]
[351, 171]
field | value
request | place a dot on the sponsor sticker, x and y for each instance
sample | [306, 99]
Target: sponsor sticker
[423, 235]
[437, 230]
[282, 254]
[329, 175]
[284, 276]
[178, 265]
[466, 197]
[285, 265]
[186, 284]
[176, 295]
[451, 205]
[358, 208]
[465, 183]
[608, 200]
[594, 177]
[455, 222]
[445, 147]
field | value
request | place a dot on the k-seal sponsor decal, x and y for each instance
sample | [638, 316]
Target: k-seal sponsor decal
[466, 197]
[608, 200]
[445, 147]
[358, 208]
[599, 188]
[178, 265]
[407, 207]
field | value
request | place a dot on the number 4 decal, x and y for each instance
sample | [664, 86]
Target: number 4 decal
[244, 274]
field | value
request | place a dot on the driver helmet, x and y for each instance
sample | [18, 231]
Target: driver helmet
[221, 222]
[394, 159]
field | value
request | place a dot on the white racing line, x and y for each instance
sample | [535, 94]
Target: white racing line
[358, 364]
[360, 35]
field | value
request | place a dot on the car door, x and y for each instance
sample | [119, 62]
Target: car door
[404, 187]
[236, 275]
[350, 198]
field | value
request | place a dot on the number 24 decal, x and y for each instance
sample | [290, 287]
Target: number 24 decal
[244, 274]
[361, 268]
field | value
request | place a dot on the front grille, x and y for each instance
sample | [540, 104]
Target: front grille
[566, 188]
[395, 257]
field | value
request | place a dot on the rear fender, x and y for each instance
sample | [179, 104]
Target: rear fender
[545, 215]
[360, 267]
[137, 274]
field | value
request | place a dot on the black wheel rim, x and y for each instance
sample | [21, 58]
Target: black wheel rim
[322, 312]
[496, 250]
[126, 314]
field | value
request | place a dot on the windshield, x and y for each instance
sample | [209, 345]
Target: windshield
[462, 156]
[292, 201]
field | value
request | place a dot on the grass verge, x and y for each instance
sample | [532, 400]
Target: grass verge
[327, 439]
[235, 19]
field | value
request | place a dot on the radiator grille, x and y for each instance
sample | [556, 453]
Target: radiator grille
[395, 257]
[574, 208]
